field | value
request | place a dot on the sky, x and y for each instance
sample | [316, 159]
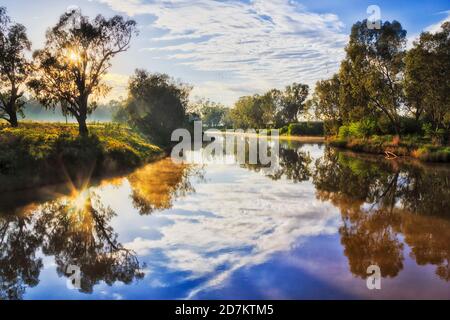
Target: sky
[229, 48]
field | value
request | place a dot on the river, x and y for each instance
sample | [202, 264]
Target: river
[308, 230]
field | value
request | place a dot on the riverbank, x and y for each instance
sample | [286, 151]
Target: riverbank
[306, 139]
[392, 147]
[37, 154]
[299, 138]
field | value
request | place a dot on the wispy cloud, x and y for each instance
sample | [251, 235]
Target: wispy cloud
[437, 26]
[257, 44]
[431, 28]
[237, 227]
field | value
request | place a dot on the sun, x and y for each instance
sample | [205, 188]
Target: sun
[73, 56]
[80, 200]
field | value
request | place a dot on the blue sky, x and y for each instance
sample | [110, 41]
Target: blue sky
[227, 49]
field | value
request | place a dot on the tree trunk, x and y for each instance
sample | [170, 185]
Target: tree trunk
[82, 127]
[13, 119]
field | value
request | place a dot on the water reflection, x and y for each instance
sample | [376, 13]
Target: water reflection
[19, 265]
[76, 231]
[385, 206]
[180, 231]
[155, 187]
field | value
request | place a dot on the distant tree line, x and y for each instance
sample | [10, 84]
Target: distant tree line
[381, 88]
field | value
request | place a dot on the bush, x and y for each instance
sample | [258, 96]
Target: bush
[331, 128]
[410, 126]
[362, 129]
[344, 132]
[306, 129]
[436, 135]
[284, 130]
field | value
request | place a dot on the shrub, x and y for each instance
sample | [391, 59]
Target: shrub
[284, 130]
[410, 126]
[436, 135]
[331, 128]
[344, 132]
[306, 128]
[361, 129]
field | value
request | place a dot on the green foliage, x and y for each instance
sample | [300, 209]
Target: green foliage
[414, 80]
[306, 129]
[275, 108]
[14, 67]
[70, 69]
[435, 134]
[46, 151]
[344, 132]
[156, 105]
[427, 74]
[326, 104]
[284, 130]
[359, 129]
[213, 115]
[410, 145]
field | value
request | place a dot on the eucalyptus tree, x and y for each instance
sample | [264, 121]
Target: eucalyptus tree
[372, 71]
[427, 78]
[14, 67]
[76, 57]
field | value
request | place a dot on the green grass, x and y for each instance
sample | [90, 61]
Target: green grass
[40, 153]
[406, 146]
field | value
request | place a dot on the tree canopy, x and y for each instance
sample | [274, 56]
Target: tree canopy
[389, 88]
[156, 104]
[274, 108]
[76, 57]
[14, 67]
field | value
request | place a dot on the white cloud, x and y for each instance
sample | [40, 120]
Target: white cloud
[431, 28]
[245, 218]
[437, 26]
[259, 44]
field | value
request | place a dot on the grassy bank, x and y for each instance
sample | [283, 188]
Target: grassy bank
[407, 146]
[43, 153]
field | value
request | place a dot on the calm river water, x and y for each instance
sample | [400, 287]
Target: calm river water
[172, 231]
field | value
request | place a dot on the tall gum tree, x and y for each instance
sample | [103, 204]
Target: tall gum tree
[75, 59]
[427, 78]
[374, 65]
[14, 67]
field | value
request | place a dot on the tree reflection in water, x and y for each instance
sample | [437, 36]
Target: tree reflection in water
[156, 186]
[293, 164]
[19, 266]
[77, 232]
[378, 202]
[384, 207]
